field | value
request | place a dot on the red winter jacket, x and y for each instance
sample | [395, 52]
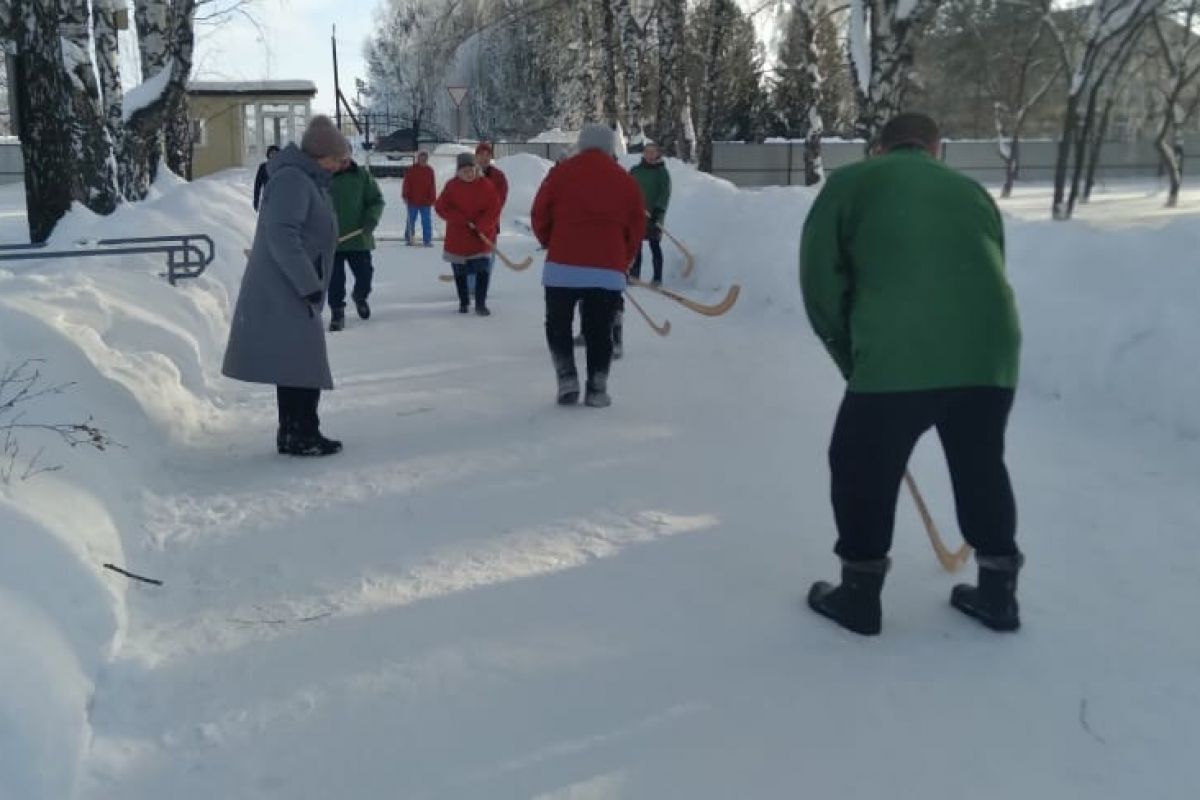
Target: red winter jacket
[499, 182]
[462, 202]
[419, 187]
[589, 213]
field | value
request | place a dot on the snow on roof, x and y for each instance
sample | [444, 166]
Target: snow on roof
[252, 87]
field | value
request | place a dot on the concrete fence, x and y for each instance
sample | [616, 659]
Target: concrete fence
[782, 163]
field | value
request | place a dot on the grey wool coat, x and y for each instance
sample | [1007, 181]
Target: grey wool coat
[278, 336]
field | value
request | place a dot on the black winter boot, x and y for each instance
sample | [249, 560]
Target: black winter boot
[464, 292]
[337, 319]
[362, 307]
[597, 391]
[482, 278]
[568, 381]
[994, 601]
[310, 444]
[855, 603]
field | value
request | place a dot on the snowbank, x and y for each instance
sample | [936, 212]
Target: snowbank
[144, 357]
[1108, 314]
[1109, 317]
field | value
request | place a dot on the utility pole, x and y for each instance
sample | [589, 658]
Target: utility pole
[337, 87]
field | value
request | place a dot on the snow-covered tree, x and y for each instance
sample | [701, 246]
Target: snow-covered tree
[1111, 30]
[84, 141]
[673, 102]
[881, 38]
[1000, 53]
[1175, 29]
[801, 89]
[409, 55]
[725, 74]
[50, 168]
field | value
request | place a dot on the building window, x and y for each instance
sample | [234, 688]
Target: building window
[200, 133]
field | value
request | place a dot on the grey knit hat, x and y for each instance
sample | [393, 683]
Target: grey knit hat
[322, 139]
[597, 137]
[465, 160]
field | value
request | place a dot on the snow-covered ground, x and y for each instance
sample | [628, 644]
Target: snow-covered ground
[488, 596]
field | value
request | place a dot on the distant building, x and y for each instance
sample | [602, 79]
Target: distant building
[234, 123]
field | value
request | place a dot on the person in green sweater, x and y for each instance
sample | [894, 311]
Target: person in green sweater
[359, 206]
[902, 269]
[655, 182]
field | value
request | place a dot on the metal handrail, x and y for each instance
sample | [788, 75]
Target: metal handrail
[188, 255]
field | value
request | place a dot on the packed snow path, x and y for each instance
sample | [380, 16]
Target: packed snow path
[488, 596]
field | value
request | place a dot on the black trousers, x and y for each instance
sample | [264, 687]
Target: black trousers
[656, 257]
[598, 308]
[360, 264]
[480, 270]
[298, 409]
[872, 440]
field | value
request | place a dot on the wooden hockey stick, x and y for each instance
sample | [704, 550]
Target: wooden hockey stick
[444, 278]
[516, 265]
[951, 562]
[689, 261]
[714, 310]
[661, 330]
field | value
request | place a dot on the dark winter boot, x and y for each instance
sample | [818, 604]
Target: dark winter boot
[464, 292]
[363, 309]
[568, 390]
[310, 444]
[568, 382]
[855, 603]
[579, 340]
[337, 319]
[618, 336]
[597, 391]
[482, 279]
[994, 601]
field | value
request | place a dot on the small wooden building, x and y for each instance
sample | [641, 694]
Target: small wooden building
[235, 122]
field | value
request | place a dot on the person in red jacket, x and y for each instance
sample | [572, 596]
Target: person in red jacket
[471, 209]
[419, 192]
[499, 181]
[590, 217]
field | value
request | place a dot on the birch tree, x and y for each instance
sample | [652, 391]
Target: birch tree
[1111, 29]
[672, 80]
[800, 90]
[881, 38]
[41, 106]
[1008, 39]
[1179, 45]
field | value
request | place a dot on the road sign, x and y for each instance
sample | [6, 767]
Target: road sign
[457, 94]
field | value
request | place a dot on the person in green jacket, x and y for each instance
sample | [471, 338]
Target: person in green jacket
[902, 269]
[655, 181]
[359, 206]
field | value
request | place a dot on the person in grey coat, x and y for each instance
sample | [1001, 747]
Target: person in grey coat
[277, 336]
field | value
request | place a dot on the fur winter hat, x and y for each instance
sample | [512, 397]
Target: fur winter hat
[597, 137]
[465, 160]
[322, 139]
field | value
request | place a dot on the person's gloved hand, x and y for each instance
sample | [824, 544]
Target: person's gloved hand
[653, 230]
[315, 298]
